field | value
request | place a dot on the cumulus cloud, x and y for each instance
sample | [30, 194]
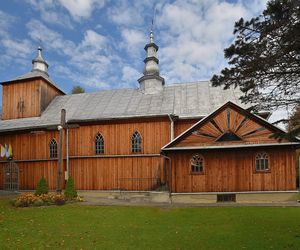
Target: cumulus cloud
[51, 12]
[90, 62]
[6, 20]
[56, 11]
[193, 36]
[132, 40]
[81, 8]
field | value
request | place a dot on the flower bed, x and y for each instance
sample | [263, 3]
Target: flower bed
[30, 199]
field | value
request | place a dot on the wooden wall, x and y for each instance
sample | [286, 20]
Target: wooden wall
[26, 99]
[48, 93]
[116, 168]
[26, 94]
[183, 125]
[234, 171]
[117, 137]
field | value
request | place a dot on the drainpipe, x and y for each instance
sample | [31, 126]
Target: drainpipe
[171, 126]
[67, 151]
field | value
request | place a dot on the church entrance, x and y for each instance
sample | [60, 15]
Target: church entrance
[11, 176]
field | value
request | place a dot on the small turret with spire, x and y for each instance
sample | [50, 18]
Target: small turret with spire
[151, 82]
[39, 63]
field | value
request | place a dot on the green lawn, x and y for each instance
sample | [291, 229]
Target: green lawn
[76, 226]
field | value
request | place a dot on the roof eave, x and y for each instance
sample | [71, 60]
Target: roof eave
[34, 77]
[297, 144]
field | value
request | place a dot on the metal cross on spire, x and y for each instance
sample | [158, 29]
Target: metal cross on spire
[152, 27]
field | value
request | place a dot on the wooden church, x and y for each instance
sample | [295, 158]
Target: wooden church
[187, 137]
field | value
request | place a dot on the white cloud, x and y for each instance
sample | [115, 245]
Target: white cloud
[128, 13]
[50, 12]
[81, 8]
[130, 74]
[53, 11]
[6, 20]
[91, 61]
[133, 40]
[193, 35]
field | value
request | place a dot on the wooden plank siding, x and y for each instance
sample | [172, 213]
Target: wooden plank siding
[183, 125]
[26, 99]
[117, 168]
[234, 171]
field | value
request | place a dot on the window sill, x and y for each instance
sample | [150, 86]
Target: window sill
[197, 173]
[262, 171]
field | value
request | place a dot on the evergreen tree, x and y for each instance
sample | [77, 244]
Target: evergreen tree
[265, 57]
[70, 191]
[42, 187]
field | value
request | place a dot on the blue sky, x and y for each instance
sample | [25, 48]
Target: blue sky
[98, 44]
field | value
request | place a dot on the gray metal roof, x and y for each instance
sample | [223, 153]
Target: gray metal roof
[34, 74]
[185, 100]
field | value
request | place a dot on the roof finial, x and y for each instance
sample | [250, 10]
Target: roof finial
[39, 63]
[152, 27]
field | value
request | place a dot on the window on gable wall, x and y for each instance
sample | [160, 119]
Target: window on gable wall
[197, 164]
[53, 148]
[136, 142]
[99, 144]
[262, 161]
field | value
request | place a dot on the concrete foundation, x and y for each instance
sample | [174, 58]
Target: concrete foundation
[188, 198]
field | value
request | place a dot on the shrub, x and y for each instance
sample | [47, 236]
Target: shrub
[70, 191]
[42, 187]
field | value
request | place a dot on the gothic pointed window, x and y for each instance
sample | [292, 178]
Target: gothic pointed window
[99, 144]
[262, 162]
[197, 164]
[53, 148]
[136, 142]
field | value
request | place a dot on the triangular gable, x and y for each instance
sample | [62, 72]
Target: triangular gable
[228, 125]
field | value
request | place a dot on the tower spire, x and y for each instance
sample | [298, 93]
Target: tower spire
[39, 63]
[151, 82]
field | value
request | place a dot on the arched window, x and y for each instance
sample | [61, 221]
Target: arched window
[136, 142]
[53, 148]
[99, 144]
[262, 161]
[197, 164]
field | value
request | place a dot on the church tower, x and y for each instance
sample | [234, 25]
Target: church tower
[30, 94]
[151, 82]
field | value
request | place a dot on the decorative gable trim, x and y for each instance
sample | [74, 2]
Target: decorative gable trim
[219, 129]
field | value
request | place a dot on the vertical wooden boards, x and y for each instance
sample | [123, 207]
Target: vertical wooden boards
[125, 173]
[117, 137]
[21, 100]
[117, 168]
[234, 171]
[183, 125]
[26, 99]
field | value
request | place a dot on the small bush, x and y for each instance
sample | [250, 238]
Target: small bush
[42, 187]
[70, 191]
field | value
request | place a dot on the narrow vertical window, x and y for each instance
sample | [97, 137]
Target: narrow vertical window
[99, 144]
[262, 162]
[53, 148]
[136, 142]
[197, 164]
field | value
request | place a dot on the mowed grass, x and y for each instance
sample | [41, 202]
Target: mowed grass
[95, 227]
